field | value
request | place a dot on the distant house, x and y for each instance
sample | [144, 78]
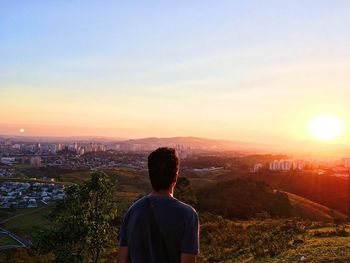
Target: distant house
[32, 203]
[7, 160]
[26, 195]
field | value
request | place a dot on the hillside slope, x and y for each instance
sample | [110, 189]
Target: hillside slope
[243, 199]
[306, 209]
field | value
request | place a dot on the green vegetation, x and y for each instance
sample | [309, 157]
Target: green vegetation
[330, 191]
[274, 241]
[5, 213]
[129, 181]
[76, 177]
[307, 209]
[224, 240]
[27, 171]
[28, 223]
[22, 255]
[184, 192]
[6, 240]
[334, 248]
[84, 223]
[244, 199]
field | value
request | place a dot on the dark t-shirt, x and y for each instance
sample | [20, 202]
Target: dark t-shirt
[158, 229]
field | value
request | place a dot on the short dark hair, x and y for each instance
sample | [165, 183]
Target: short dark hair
[163, 168]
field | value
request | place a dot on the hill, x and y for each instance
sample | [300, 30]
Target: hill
[306, 209]
[244, 199]
[243, 196]
[330, 191]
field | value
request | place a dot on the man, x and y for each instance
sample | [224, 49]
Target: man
[158, 228]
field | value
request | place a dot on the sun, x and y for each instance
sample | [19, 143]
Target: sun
[326, 127]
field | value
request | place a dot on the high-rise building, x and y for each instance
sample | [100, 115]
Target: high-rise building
[299, 165]
[281, 165]
[81, 151]
[53, 149]
[59, 147]
[38, 147]
[274, 165]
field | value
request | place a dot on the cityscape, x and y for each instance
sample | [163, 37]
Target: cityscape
[85, 155]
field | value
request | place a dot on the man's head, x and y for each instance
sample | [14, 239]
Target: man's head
[163, 168]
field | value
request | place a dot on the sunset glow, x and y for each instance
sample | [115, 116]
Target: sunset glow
[254, 73]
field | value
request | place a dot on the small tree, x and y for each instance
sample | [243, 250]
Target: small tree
[83, 222]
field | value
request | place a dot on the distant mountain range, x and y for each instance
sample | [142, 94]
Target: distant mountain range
[298, 148]
[302, 147]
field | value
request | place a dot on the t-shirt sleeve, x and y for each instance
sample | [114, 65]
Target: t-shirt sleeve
[190, 242]
[123, 236]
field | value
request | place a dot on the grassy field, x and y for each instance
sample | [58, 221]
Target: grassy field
[332, 247]
[6, 240]
[75, 177]
[30, 222]
[4, 214]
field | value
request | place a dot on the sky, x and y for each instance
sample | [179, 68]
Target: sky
[243, 70]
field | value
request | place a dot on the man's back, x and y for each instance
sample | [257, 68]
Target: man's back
[158, 229]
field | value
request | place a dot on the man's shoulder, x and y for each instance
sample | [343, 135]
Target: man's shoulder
[186, 207]
[139, 203]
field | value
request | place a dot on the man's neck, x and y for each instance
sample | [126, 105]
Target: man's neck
[167, 193]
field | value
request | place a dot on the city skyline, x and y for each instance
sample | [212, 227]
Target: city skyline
[247, 71]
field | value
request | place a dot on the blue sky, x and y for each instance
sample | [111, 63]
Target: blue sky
[205, 68]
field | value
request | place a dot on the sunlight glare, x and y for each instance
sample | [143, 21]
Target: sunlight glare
[326, 127]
